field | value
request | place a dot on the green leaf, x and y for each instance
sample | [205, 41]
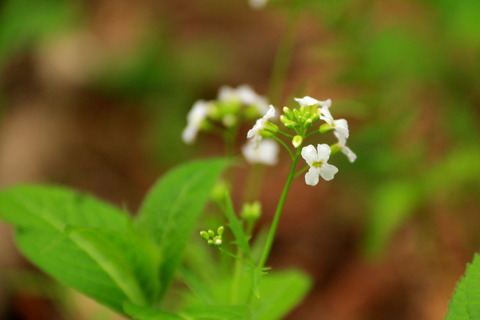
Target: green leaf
[51, 208]
[146, 313]
[172, 207]
[236, 227]
[465, 304]
[218, 313]
[105, 265]
[280, 293]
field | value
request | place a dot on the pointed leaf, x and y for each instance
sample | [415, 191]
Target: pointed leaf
[236, 227]
[105, 265]
[51, 208]
[172, 207]
[465, 304]
[280, 293]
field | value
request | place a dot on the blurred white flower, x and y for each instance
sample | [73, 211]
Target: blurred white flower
[195, 117]
[317, 160]
[265, 152]
[254, 133]
[257, 4]
[243, 94]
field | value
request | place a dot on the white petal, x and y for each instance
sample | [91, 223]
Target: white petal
[328, 171]
[189, 134]
[324, 152]
[341, 138]
[341, 126]
[311, 177]
[265, 152]
[326, 104]
[309, 153]
[270, 113]
[325, 114]
[225, 93]
[307, 101]
[349, 153]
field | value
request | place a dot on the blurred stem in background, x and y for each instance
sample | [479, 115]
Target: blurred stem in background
[283, 56]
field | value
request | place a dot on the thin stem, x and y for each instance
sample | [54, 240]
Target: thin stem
[285, 134]
[278, 213]
[284, 145]
[283, 58]
[301, 171]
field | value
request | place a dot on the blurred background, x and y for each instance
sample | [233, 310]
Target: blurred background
[94, 95]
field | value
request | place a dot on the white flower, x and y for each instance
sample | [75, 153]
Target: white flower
[324, 105]
[317, 160]
[340, 126]
[243, 94]
[265, 152]
[309, 101]
[257, 4]
[342, 143]
[254, 133]
[195, 117]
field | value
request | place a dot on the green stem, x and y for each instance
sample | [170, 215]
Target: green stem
[301, 171]
[285, 134]
[278, 213]
[283, 58]
[284, 145]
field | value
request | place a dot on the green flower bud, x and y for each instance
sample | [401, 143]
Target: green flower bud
[251, 211]
[211, 233]
[204, 235]
[270, 126]
[335, 148]
[288, 113]
[308, 123]
[220, 230]
[288, 123]
[297, 141]
[324, 128]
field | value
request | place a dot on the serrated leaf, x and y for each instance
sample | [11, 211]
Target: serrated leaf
[236, 227]
[146, 313]
[172, 207]
[105, 265]
[51, 208]
[465, 304]
[218, 313]
[280, 293]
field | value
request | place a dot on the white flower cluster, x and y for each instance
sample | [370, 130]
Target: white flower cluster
[230, 104]
[316, 157]
[224, 108]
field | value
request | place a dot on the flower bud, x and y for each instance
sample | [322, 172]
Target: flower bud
[297, 141]
[251, 211]
[335, 148]
[308, 123]
[287, 122]
[288, 113]
[204, 235]
[270, 126]
[211, 233]
[324, 128]
[220, 230]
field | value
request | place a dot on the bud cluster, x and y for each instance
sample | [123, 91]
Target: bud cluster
[213, 239]
[300, 119]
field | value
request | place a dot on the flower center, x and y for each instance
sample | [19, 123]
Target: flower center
[317, 164]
